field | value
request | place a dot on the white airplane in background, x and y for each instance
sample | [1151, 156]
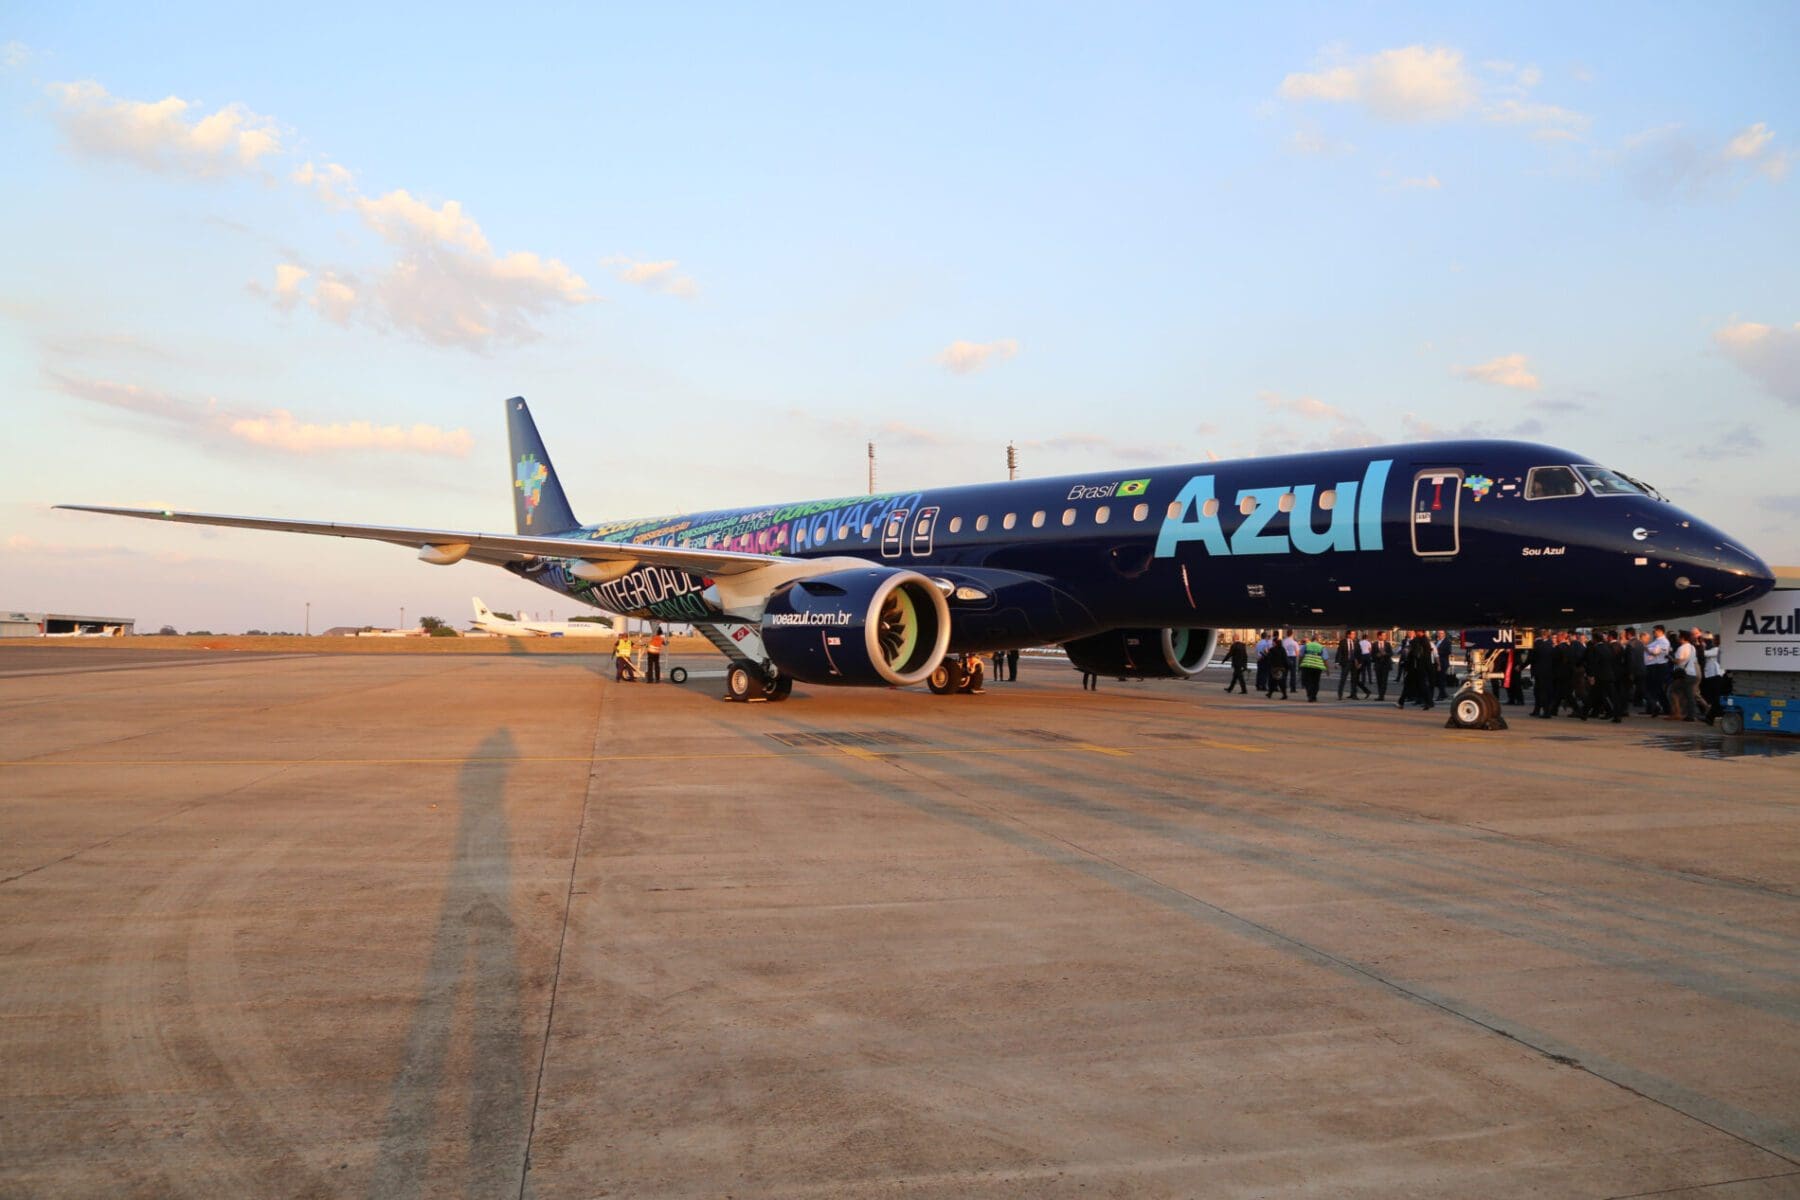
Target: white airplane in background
[487, 622]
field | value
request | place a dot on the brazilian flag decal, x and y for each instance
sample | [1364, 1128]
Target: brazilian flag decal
[1133, 487]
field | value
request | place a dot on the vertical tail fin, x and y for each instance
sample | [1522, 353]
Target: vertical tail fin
[481, 610]
[539, 505]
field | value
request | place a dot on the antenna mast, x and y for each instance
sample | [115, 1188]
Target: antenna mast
[871, 468]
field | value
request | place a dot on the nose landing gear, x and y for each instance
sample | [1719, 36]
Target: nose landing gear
[1473, 706]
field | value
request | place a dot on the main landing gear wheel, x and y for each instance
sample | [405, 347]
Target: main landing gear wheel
[782, 688]
[677, 674]
[743, 683]
[946, 679]
[970, 683]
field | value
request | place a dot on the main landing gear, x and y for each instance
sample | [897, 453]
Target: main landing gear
[957, 674]
[745, 682]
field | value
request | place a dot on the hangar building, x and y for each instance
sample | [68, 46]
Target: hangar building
[29, 624]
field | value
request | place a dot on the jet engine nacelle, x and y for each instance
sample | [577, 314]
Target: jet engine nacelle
[872, 627]
[1145, 653]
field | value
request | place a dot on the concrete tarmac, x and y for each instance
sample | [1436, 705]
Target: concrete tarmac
[494, 925]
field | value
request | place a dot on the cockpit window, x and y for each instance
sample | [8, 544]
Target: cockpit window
[1551, 483]
[1603, 482]
[1641, 486]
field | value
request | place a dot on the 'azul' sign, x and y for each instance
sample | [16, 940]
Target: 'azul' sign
[1354, 519]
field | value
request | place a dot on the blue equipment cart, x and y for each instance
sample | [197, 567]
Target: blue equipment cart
[1758, 714]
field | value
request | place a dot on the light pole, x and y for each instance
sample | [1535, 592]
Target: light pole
[309, 618]
[403, 618]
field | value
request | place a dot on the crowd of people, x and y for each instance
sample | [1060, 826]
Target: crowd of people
[1603, 675]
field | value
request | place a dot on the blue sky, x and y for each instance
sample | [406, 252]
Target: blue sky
[291, 266]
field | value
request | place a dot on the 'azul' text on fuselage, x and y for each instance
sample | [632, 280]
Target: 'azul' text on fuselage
[1352, 521]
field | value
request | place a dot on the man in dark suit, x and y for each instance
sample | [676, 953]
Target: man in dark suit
[1601, 666]
[1563, 664]
[1239, 659]
[1634, 666]
[1383, 654]
[1543, 674]
[1443, 664]
[1419, 666]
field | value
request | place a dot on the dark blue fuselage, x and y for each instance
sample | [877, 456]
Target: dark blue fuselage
[1441, 534]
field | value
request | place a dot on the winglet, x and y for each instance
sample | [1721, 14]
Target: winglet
[539, 505]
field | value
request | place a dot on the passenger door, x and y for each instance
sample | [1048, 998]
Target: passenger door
[1436, 511]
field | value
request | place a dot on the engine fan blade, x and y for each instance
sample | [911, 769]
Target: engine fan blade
[891, 629]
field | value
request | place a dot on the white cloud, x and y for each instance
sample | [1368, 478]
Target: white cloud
[160, 135]
[1749, 142]
[1674, 161]
[1420, 83]
[333, 184]
[1508, 370]
[14, 55]
[1769, 354]
[279, 430]
[399, 217]
[1308, 423]
[208, 421]
[965, 358]
[1411, 83]
[659, 276]
[287, 284]
[448, 285]
[334, 299]
[1428, 182]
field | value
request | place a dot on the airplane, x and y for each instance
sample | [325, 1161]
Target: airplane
[486, 621]
[1132, 572]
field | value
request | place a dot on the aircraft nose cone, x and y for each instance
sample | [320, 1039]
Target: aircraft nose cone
[1717, 571]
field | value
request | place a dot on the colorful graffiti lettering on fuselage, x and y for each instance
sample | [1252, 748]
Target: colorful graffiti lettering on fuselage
[779, 529]
[1354, 524]
[850, 523]
[655, 592]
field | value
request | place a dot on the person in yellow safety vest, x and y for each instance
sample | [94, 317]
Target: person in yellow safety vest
[622, 668]
[1312, 666]
[653, 663]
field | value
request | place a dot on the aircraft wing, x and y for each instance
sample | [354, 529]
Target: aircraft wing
[482, 547]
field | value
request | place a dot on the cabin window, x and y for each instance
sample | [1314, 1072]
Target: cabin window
[1037, 519]
[1141, 512]
[1068, 517]
[1009, 520]
[843, 532]
[981, 523]
[1174, 510]
[1602, 482]
[1286, 503]
[955, 524]
[1102, 515]
[1210, 508]
[1247, 505]
[1328, 499]
[1551, 483]
[801, 537]
[867, 530]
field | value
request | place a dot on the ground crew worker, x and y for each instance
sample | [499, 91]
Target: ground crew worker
[1312, 665]
[622, 668]
[653, 659]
